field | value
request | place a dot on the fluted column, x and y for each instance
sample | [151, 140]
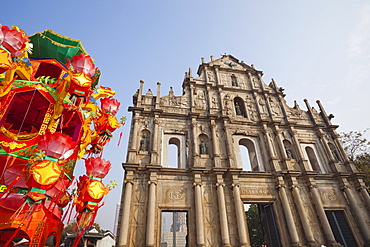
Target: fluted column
[223, 215]
[322, 216]
[240, 218]
[303, 215]
[199, 214]
[357, 212]
[288, 215]
[150, 224]
[125, 214]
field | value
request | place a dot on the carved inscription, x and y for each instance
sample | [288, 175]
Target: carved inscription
[256, 191]
[175, 195]
[329, 195]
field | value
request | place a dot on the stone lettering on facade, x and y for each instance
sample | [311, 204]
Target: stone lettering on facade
[256, 191]
[175, 195]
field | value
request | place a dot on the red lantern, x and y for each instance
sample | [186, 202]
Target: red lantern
[57, 145]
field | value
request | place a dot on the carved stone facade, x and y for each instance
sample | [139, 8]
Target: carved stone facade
[308, 192]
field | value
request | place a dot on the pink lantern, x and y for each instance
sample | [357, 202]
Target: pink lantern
[109, 105]
[57, 145]
[83, 63]
[1, 35]
[13, 40]
[97, 167]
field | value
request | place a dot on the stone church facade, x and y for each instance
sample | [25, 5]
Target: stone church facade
[229, 140]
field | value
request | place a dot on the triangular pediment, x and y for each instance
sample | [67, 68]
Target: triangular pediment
[227, 62]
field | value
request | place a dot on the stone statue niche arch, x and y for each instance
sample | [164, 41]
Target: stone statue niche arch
[234, 81]
[334, 152]
[239, 107]
[312, 158]
[252, 152]
[144, 141]
[204, 145]
[173, 151]
[289, 152]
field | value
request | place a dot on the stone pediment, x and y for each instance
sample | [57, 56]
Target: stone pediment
[227, 62]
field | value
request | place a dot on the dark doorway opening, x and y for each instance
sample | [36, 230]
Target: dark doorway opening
[174, 229]
[262, 225]
[341, 230]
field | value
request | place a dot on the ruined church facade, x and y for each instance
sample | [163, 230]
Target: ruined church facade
[195, 160]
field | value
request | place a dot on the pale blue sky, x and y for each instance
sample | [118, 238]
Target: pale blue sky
[314, 49]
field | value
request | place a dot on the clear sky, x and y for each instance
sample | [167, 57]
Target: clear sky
[314, 49]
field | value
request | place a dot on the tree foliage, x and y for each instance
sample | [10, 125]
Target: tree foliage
[254, 226]
[355, 144]
[71, 227]
[357, 148]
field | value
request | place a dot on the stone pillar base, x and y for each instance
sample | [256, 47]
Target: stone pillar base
[334, 245]
[367, 244]
[313, 245]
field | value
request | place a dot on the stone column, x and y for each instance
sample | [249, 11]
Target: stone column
[241, 219]
[364, 228]
[192, 97]
[208, 95]
[267, 138]
[154, 152]
[195, 145]
[271, 154]
[322, 216]
[199, 214]
[125, 214]
[229, 145]
[223, 214]
[324, 143]
[365, 195]
[288, 215]
[216, 148]
[140, 93]
[218, 81]
[134, 133]
[133, 148]
[150, 224]
[303, 215]
[296, 143]
[158, 96]
[280, 142]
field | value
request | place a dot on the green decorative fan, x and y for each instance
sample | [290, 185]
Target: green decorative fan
[49, 44]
